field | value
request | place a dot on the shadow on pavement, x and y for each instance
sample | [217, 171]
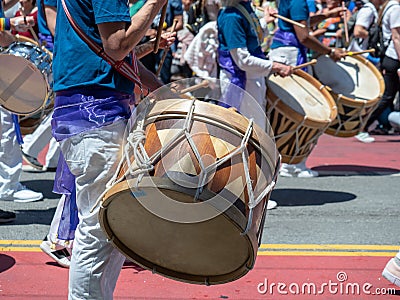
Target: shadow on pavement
[6, 262]
[34, 216]
[43, 186]
[301, 197]
[354, 170]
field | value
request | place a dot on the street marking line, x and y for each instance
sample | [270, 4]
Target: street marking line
[264, 250]
[329, 247]
[324, 253]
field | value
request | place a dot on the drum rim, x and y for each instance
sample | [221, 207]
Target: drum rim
[216, 115]
[352, 102]
[45, 85]
[251, 241]
[297, 117]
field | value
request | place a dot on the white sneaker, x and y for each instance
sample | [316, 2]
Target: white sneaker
[364, 137]
[297, 170]
[60, 254]
[25, 195]
[271, 204]
[308, 174]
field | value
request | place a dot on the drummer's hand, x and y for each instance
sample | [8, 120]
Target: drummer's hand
[167, 39]
[269, 13]
[335, 12]
[22, 24]
[281, 69]
[338, 54]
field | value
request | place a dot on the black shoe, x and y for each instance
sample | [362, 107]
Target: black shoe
[32, 161]
[6, 216]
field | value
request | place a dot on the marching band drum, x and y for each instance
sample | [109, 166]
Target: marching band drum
[26, 77]
[190, 202]
[299, 109]
[356, 86]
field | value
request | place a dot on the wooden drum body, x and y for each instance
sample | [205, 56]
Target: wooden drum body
[356, 86]
[299, 110]
[190, 202]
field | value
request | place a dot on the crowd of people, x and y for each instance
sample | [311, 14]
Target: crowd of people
[245, 43]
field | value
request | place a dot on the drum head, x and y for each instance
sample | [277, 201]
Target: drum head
[302, 96]
[352, 77]
[23, 87]
[209, 252]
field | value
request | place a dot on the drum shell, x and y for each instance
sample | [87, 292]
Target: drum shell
[353, 112]
[26, 77]
[212, 120]
[296, 133]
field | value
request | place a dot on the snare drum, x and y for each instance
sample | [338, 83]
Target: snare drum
[356, 86]
[198, 213]
[25, 77]
[299, 109]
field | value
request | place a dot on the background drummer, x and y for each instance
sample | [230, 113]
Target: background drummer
[241, 59]
[290, 44]
[6, 38]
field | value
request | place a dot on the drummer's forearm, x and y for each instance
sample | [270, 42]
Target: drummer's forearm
[249, 63]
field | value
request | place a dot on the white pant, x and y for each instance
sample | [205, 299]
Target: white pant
[93, 157]
[256, 88]
[10, 156]
[35, 142]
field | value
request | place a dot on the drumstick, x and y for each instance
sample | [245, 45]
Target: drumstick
[346, 30]
[350, 53]
[165, 50]
[202, 84]
[35, 37]
[284, 19]
[311, 62]
[160, 27]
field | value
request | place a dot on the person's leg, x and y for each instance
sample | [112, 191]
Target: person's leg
[11, 164]
[58, 250]
[392, 270]
[35, 142]
[52, 155]
[391, 79]
[10, 156]
[95, 263]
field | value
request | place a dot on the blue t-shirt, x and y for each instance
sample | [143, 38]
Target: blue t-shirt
[311, 6]
[235, 31]
[75, 65]
[43, 29]
[296, 10]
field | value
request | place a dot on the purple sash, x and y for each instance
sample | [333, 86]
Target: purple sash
[75, 112]
[233, 97]
[289, 39]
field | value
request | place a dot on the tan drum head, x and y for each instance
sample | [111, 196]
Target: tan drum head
[209, 252]
[22, 85]
[301, 95]
[352, 77]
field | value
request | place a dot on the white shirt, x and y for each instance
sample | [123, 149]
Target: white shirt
[391, 19]
[365, 18]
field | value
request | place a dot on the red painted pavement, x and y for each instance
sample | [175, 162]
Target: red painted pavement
[33, 276]
[333, 154]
